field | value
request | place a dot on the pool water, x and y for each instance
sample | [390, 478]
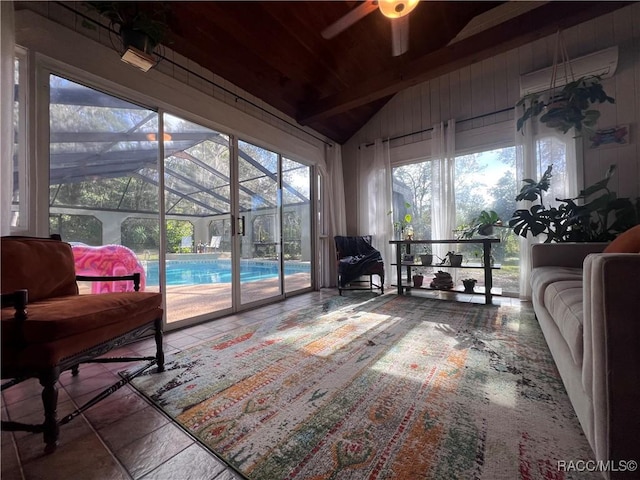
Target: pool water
[204, 273]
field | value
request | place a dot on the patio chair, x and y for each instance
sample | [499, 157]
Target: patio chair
[214, 245]
[48, 327]
[357, 258]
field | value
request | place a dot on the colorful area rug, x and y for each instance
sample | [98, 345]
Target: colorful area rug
[365, 387]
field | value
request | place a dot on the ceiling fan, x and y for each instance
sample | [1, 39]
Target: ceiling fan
[396, 10]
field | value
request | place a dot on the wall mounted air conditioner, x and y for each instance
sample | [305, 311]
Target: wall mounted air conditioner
[601, 63]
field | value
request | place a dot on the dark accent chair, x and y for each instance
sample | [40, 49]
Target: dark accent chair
[48, 327]
[357, 258]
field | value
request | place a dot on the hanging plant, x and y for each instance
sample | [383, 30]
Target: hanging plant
[138, 25]
[567, 109]
[570, 106]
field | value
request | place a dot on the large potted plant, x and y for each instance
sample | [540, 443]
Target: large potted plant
[600, 219]
[569, 108]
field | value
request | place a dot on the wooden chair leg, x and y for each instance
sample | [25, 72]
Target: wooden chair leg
[51, 429]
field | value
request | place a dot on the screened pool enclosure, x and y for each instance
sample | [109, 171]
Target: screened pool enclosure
[216, 222]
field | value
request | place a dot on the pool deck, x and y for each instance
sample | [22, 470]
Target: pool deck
[187, 301]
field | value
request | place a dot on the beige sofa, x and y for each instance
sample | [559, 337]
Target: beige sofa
[588, 306]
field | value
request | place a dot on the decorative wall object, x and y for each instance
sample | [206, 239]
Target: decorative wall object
[618, 135]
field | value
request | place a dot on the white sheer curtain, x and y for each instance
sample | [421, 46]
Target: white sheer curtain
[537, 147]
[375, 199]
[335, 212]
[7, 47]
[443, 202]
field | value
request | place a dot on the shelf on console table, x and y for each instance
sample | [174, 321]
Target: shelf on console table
[489, 291]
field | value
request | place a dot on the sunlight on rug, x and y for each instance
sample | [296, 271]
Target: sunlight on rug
[378, 387]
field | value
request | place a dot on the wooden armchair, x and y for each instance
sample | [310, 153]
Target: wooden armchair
[48, 327]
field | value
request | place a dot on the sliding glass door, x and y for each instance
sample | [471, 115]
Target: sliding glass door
[197, 204]
[296, 225]
[132, 188]
[259, 229]
[274, 224]
[103, 182]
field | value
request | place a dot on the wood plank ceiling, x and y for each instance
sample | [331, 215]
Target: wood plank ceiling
[275, 51]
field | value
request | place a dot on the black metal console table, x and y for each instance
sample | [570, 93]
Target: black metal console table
[485, 265]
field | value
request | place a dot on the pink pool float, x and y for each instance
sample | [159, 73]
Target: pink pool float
[108, 260]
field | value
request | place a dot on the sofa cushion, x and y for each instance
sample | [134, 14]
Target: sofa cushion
[542, 277]
[563, 300]
[627, 242]
[43, 266]
[60, 317]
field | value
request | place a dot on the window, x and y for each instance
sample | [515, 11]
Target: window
[483, 181]
[412, 195]
[487, 181]
[18, 202]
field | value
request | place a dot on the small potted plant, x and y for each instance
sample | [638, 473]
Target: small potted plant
[452, 258]
[402, 228]
[426, 258]
[418, 279]
[469, 284]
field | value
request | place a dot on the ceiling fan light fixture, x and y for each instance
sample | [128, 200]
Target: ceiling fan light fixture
[396, 8]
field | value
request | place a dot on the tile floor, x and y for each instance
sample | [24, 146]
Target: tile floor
[124, 437]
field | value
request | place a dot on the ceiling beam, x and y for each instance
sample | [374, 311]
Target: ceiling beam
[540, 22]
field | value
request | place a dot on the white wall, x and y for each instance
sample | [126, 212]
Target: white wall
[493, 85]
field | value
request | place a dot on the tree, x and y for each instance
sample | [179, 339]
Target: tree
[504, 195]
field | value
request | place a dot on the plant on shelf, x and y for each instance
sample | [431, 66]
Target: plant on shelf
[140, 27]
[402, 228]
[452, 259]
[426, 257]
[482, 225]
[441, 281]
[418, 279]
[597, 220]
[469, 284]
[569, 108]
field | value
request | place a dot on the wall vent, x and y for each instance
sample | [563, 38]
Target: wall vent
[603, 63]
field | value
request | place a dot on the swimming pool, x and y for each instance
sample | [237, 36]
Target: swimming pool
[189, 272]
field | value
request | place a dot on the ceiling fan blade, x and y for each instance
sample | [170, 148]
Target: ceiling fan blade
[349, 19]
[399, 35]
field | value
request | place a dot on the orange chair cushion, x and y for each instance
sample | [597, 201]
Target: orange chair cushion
[43, 266]
[55, 318]
[61, 327]
[626, 242]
